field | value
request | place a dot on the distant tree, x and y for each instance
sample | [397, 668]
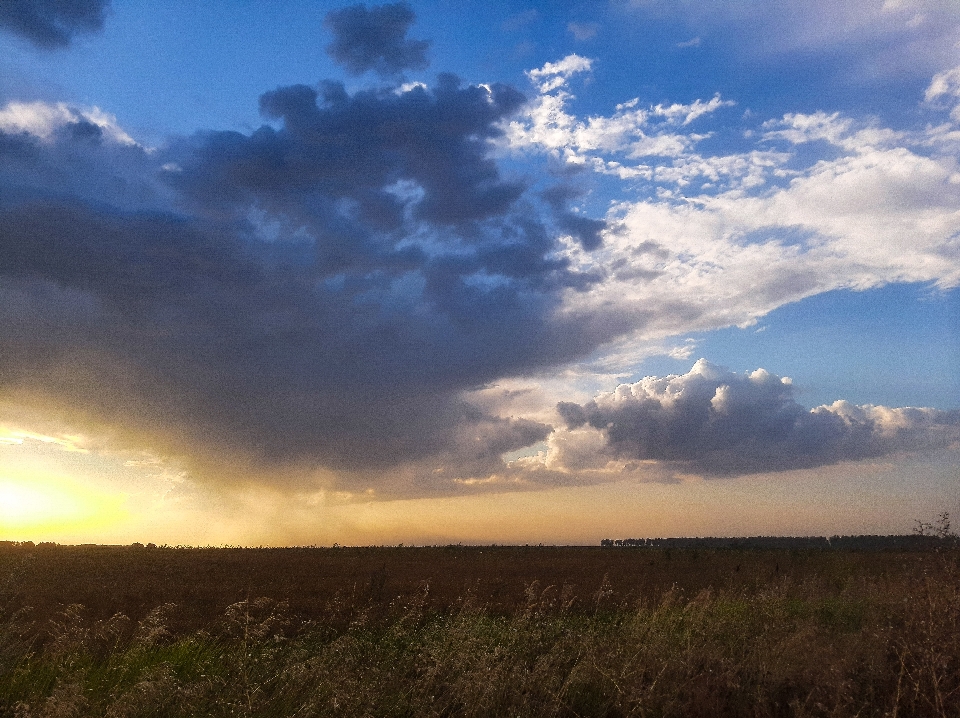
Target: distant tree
[939, 528]
[942, 528]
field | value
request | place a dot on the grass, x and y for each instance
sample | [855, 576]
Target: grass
[387, 633]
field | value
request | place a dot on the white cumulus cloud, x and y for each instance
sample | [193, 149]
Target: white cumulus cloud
[715, 422]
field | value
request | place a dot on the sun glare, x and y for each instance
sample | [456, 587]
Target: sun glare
[49, 505]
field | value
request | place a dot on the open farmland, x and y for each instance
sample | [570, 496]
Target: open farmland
[449, 631]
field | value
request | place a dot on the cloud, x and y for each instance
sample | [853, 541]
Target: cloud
[874, 38]
[321, 301]
[309, 298]
[842, 132]
[180, 338]
[582, 31]
[555, 74]
[588, 232]
[520, 20]
[15, 437]
[58, 149]
[43, 120]
[859, 221]
[713, 422]
[51, 24]
[375, 39]
[339, 147]
[946, 84]
[837, 214]
[546, 125]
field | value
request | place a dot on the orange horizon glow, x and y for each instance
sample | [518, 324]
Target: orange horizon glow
[42, 504]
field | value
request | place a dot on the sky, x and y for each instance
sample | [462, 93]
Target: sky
[304, 273]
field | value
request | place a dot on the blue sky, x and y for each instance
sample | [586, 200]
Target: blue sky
[155, 64]
[896, 345]
[274, 254]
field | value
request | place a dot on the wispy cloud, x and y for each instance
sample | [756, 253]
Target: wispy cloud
[583, 31]
[875, 37]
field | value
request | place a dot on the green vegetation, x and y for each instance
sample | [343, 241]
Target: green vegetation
[460, 631]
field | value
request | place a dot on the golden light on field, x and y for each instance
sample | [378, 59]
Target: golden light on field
[43, 505]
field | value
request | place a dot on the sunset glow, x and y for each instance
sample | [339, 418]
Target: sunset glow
[45, 506]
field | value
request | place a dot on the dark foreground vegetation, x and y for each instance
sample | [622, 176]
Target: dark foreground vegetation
[479, 631]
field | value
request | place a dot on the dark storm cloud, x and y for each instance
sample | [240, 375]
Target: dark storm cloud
[318, 294]
[718, 423]
[52, 23]
[375, 39]
[194, 337]
[14, 147]
[379, 149]
[81, 160]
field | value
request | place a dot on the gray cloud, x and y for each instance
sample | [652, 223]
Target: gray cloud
[317, 296]
[375, 39]
[199, 340]
[80, 159]
[381, 150]
[52, 23]
[585, 230]
[718, 423]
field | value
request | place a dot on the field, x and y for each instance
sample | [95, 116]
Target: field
[478, 631]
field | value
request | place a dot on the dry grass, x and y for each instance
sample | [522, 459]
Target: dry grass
[478, 632]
